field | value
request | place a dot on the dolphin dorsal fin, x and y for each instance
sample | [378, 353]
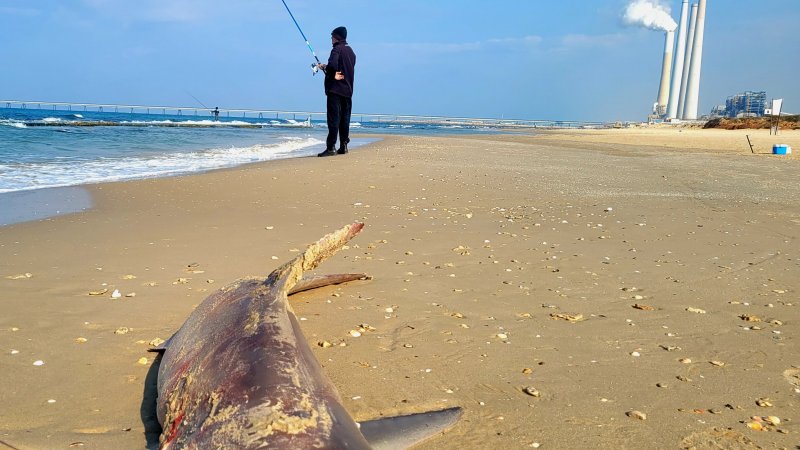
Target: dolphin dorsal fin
[161, 348]
[401, 432]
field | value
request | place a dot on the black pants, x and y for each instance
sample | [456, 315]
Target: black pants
[339, 109]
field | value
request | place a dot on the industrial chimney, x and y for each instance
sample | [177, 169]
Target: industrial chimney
[693, 89]
[666, 70]
[677, 71]
[686, 63]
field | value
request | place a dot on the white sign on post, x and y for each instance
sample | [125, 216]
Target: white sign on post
[776, 106]
[777, 103]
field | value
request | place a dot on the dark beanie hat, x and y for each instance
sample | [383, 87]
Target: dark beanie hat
[340, 32]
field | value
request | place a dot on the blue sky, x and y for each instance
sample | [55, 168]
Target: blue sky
[528, 59]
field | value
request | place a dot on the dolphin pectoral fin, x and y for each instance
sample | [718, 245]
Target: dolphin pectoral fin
[401, 432]
[308, 283]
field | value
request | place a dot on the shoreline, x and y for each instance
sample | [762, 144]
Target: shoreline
[52, 202]
[44, 203]
[507, 262]
[38, 204]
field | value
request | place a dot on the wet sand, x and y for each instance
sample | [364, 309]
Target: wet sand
[620, 275]
[24, 206]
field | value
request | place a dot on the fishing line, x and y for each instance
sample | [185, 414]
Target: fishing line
[314, 68]
[198, 101]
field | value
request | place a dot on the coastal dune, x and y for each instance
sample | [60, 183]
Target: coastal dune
[581, 289]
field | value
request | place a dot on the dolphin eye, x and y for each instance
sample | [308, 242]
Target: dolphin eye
[301, 413]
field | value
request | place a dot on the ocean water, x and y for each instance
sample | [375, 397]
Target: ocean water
[42, 149]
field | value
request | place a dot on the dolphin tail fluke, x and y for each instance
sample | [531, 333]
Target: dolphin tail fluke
[401, 432]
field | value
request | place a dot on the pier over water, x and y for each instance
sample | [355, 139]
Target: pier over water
[244, 113]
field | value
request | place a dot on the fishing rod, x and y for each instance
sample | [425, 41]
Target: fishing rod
[198, 101]
[314, 67]
[214, 111]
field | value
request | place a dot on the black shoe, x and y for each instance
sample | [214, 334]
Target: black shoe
[328, 152]
[342, 150]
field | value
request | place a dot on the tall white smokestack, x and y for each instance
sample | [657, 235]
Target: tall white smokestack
[655, 15]
[693, 91]
[666, 70]
[687, 62]
[677, 70]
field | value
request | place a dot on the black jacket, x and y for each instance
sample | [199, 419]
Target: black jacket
[342, 59]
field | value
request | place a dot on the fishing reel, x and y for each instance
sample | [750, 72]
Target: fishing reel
[314, 69]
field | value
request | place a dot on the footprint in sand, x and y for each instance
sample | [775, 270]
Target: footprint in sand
[792, 376]
[718, 438]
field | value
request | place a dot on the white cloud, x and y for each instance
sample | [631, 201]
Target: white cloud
[182, 11]
[571, 41]
[526, 40]
[150, 10]
[566, 43]
[12, 11]
[452, 47]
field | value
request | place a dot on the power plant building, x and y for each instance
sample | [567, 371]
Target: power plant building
[746, 104]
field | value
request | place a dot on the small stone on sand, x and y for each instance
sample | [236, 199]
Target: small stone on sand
[636, 415]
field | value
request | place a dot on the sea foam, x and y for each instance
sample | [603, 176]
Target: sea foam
[19, 177]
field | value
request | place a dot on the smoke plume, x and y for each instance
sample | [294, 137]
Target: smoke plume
[651, 14]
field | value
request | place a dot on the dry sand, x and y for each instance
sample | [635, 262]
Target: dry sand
[483, 247]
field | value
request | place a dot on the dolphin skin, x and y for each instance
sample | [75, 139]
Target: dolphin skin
[239, 373]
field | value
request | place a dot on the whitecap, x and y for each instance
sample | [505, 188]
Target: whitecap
[13, 123]
[19, 177]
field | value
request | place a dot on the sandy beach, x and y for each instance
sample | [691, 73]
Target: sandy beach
[620, 289]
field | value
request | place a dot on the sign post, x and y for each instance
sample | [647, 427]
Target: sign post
[777, 103]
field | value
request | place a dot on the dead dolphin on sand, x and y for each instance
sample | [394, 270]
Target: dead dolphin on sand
[240, 374]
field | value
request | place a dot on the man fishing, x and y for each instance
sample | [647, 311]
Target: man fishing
[339, 75]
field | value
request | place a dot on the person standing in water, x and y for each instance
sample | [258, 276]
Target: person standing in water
[339, 76]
